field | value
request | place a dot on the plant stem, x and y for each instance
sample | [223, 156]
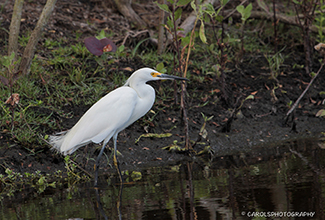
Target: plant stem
[275, 32]
[304, 92]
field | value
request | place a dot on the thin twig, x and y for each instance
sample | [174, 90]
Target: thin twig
[304, 92]
[86, 172]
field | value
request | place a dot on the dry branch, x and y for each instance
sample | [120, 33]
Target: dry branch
[15, 27]
[124, 7]
[35, 36]
[291, 20]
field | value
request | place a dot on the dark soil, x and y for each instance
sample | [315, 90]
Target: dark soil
[260, 122]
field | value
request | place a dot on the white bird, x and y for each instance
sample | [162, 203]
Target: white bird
[111, 114]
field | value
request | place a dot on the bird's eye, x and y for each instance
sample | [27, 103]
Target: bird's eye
[154, 74]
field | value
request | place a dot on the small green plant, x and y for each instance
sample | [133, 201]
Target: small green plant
[9, 79]
[70, 166]
[320, 22]
[161, 67]
[245, 13]
[275, 62]
[181, 59]
[77, 75]
[12, 181]
[203, 132]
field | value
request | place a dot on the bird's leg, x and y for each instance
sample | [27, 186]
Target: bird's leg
[116, 163]
[97, 163]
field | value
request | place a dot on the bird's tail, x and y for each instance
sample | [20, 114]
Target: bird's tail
[56, 140]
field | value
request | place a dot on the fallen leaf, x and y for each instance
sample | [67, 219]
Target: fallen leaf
[321, 48]
[13, 99]
[215, 123]
[320, 113]
[312, 101]
[127, 69]
[97, 47]
[224, 120]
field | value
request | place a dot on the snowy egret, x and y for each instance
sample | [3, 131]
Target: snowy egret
[111, 114]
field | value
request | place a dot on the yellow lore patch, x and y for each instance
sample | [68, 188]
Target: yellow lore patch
[155, 74]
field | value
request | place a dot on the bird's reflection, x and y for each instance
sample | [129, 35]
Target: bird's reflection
[118, 203]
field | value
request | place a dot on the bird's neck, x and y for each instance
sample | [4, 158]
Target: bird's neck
[143, 90]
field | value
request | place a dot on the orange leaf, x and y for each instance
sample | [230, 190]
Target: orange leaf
[215, 123]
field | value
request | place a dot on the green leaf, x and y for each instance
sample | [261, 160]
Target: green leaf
[202, 34]
[262, 5]
[163, 7]
[209, 9]
[248, 11]
[297, 2]
[245, 12]
[183, 2]
[178, 13]
[240, 9]
[101, 35]
[250, 97]
[193, 5]
[120, 48]
[170, 23]
[161, 68]
[136, 175]
[224, 2]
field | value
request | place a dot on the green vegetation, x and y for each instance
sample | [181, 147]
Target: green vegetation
[65, 74]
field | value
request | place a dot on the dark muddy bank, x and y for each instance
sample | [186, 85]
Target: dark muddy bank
[260, 122]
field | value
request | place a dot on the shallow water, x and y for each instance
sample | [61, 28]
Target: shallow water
[281, 181]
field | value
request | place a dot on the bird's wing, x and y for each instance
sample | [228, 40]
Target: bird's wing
[110, 114]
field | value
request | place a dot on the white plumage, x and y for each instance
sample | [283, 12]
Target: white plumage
[111, 114]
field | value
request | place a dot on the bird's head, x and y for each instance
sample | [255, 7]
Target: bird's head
[148, 74]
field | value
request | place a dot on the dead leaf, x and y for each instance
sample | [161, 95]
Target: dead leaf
[253, 93]
[13, 99]
[320, 113]
[215, 90]
[321, 48]
[312, 101]
[215, 123]
[127, 69]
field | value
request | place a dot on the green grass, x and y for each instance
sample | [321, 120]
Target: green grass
[63, 73]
